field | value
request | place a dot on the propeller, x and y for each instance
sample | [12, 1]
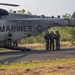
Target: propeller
[15, 5]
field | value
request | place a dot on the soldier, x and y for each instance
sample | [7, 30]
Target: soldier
[15, 43]
[57, 37]
[47, 40]
[9, 39]
[52, 40]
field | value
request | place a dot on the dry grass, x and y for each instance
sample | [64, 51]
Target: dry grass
[34, 46]
[49, 67]
[42, 46]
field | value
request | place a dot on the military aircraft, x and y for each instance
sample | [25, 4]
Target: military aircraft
[15, 26]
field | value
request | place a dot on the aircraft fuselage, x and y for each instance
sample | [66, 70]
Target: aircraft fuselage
[22, 26]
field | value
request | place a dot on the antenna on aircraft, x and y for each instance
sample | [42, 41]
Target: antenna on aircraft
[15, 5]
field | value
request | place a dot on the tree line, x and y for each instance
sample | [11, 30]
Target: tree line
[22, 11]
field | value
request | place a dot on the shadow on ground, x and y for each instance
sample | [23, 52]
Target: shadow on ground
[13, 56]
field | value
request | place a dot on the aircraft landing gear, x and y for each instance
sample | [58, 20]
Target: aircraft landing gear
[17, 48]
[14, 45]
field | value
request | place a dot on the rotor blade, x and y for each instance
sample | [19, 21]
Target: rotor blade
[9, 4]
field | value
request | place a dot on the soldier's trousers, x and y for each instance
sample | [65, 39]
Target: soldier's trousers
[51, 45]
[57, 44]
[47, 44]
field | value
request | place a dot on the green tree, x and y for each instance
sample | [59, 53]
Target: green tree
[10, 11]
[29, 13]
[66, 15]
[23, 11]
[72, 32]
[69, 30]
[19, 12]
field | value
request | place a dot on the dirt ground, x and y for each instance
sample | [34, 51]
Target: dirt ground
[49, 70]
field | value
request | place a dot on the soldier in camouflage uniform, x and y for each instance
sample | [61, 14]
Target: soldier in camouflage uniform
[57, 38]
[47, 40]
[52, 40]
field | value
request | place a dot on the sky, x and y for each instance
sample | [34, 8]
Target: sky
[43, 7]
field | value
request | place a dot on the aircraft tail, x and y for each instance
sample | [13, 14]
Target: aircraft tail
[73, 16]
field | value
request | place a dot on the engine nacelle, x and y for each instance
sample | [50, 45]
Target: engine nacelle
[3, 12]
